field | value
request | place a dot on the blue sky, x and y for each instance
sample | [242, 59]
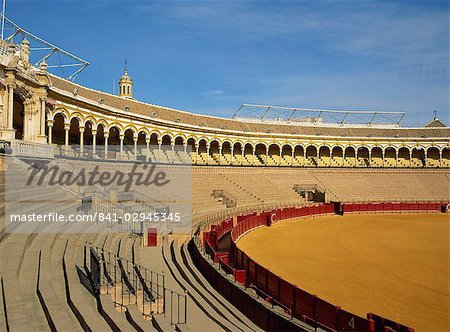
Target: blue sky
[212, 56]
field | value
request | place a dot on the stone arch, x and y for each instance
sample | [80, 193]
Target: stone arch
[337, 156]
[237, 152]
[311, 155]
[202, 151]
[101, 129]
[77, 115]
[350, 156]
[74, 131]
[376, 154]
[61, 111]
[214, 154]
[248, 154]
[286, 155]
[324, 156]
[89, 125]
[226, 153]
[274, 155]
[190, 148]
[404, 157]
[19, 116]
[114, 135]
[418, 157]
[446, 157]
[433, 156]
[260, 153]
[299, 155]
[390, 154]
[58, 132]
[362, 156]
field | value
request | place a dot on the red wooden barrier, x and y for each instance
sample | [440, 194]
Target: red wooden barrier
[272, 284]
[239, 275]
[326, 313]
[347, 321]
[304, 304]
[261, 278]
[286, 293]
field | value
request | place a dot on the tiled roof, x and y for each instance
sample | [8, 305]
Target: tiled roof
[179, 117]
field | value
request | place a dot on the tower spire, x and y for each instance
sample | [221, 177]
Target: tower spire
[126, 84]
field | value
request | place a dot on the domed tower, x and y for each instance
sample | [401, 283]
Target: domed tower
[126, 85]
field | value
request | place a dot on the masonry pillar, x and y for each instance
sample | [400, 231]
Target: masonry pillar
[293, 156]
[106, 135]
[147, 149]
[135, 141]
[121, 137]
[42, 117]
[81, 132]
[172, 146]
[50, 131]
[11, 106]
[232, 154]
[94, 142]
[66, 135]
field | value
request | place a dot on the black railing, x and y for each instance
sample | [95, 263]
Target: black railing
[129, 284]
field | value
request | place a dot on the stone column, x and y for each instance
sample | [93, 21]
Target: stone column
[220, 155]
[135, 140]
[410, 158]
[81, 129]
[440, 158]
[66, 137]
[396, 158]
[94, 142]
[370, 157]
[232, 154]
[281, 156]
[50, 131]
[207, 153]
[253, 154]
[329, 160]
[293, 156]
[267, 155]
[242, 154]
[172, 146]
[196, 153]
[43, 109]
[184, 152]
[106, 135]
[147, 149]
[11, 88]
[121, 137]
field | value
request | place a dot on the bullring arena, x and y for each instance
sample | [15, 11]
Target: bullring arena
[364, 246]
[388, 258]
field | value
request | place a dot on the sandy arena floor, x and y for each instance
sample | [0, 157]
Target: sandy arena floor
[394, 265]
